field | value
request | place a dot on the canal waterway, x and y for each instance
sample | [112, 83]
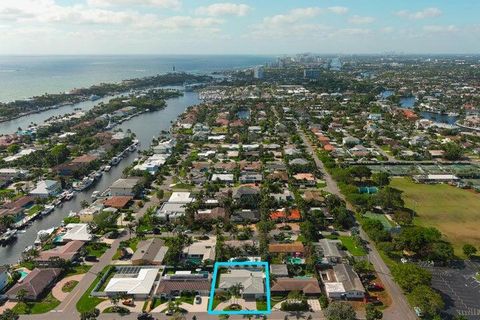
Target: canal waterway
[145, 126]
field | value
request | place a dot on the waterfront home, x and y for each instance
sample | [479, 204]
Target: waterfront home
[87, 214]
[308, 286]
[46, 188]
[75, 231]
[124, 187]
[67, 252]
[35, 283]
[150, 252]
[118, 202]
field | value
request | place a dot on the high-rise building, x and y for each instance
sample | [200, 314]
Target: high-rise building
[258, 73]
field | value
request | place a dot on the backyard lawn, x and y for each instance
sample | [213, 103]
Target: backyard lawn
[454, 211]
[96, 249]
[349, 243]
[43, 306]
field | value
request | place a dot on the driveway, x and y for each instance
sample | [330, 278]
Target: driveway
[57, 289]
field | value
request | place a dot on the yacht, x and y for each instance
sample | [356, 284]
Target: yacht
[84, 184]
[69, 195]
[95, 194]
[8, 235]
[107, 168]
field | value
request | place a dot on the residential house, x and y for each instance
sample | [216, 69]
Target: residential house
[279, 270]
[183, 282]
[124, 187]
[245, 216]
[252, 282]
[35, 283]
[345, 283]
[150, 252]
[293, 249]
[200, 251]
[46, 188]
[136, 281]
[68, 252]
[308, 286]
[330, 250]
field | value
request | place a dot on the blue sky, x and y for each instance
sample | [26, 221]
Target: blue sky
[243, 27]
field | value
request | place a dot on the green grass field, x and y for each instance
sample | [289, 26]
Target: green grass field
[351, 246]
[45, 305]
[455, 212]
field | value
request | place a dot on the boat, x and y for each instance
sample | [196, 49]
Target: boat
[41, 234]
[72, 214]
[84, 184]
[115, 161]
[28, 248]
[47, 210]
[94, 97]
[57, 202]
[98, 174]
[70, 195]
[132, 148]
[9, 235]
[95, 194]
[107, 168]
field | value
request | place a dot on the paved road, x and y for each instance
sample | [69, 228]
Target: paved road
[399, 309]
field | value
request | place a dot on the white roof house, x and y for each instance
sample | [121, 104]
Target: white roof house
[223, 177]
[204, 250]
[136, 281]
[181, 197]
[24, 152]
[77, 231]
[46, 188]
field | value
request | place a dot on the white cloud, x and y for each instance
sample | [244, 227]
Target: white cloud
[175, 4]
[338, 10]
[182, 22]
[293, 16]
[422, 14]
[360, 19]
[440, 28]
[223, 9]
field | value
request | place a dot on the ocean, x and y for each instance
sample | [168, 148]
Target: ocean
[23, 77]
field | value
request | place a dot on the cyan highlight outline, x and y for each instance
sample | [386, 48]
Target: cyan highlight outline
[240, 312]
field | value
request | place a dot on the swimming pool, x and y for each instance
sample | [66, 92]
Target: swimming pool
[23, 273]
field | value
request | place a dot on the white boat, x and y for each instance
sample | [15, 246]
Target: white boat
[47, 210]
[115, 161]
[84, 184]
[8, 235]
[107, 168]
[28, 248]
[70, 195]
[72, 214]
[42, 233]
[95, 194]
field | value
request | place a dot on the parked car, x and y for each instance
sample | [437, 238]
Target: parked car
[145, 316]
[91, 258]
[374, 287]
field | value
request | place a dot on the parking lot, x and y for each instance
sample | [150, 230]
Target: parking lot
[460, 290]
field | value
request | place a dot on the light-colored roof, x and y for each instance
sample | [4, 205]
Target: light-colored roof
[77, 231]
[151, 250]
[205, 248]
[139, 282]
[347, 276]
[125, 183]
[330, 248]
[180, 197]
[251, 281]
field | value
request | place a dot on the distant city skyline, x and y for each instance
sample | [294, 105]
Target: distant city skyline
[264, 27]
